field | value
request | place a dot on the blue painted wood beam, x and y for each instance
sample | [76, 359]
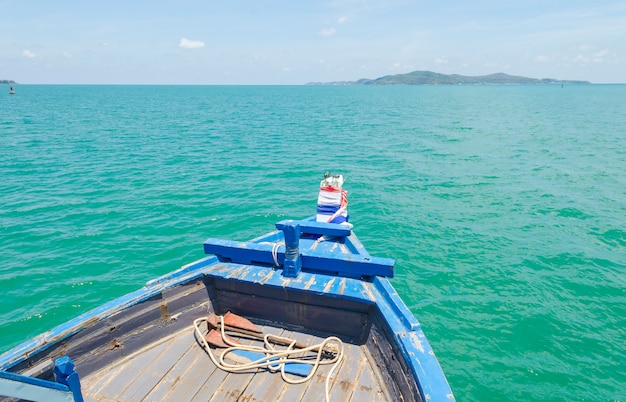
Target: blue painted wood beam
[349, 265]
[65, 373]
[317, 228]
[33, 389]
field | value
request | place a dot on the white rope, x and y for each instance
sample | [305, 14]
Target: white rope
[275, 359]
[275, 247]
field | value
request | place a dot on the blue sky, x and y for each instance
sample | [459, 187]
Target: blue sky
[295, 42]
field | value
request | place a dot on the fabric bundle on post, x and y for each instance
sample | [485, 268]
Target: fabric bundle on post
[332, 202]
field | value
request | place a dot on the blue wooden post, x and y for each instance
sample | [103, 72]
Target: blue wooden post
[293, 262]
[66, 375]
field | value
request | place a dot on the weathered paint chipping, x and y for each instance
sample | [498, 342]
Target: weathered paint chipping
[329, 284]
[342, 286]
[310, 282]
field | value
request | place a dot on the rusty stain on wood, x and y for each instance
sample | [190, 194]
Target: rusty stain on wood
[165, 313]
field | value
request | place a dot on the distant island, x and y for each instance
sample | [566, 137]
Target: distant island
[8, 82]
[431, 78]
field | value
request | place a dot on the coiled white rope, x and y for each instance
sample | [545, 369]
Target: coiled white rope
[275, 247]
[275, 359]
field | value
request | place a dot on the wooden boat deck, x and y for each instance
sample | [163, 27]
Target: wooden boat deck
[178, 369]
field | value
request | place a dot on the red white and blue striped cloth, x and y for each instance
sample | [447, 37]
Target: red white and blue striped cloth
[332, 202]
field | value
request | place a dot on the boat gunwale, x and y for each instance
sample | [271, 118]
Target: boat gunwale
[401, 327]
[41, 342]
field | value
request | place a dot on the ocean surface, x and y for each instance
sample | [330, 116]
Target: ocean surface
[504, 206]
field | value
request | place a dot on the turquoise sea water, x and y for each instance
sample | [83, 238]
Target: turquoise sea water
[504, 206]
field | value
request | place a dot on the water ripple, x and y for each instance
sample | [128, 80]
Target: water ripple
[504, 207]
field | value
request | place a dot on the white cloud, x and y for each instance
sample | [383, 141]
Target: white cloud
[341, 20]
[401, 67]
[602, 53]
[190, 44]
[441, 60]
[500, 66]
[541, 58]
[28, 53]
[67, 55]
[598, 57]
[328, 32]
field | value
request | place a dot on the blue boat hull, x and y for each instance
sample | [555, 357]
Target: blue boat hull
[343, 295]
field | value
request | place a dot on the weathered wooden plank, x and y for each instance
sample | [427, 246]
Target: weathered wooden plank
[352, 294]
[315, 390]
[179, 375]
[207, 390]
[367, 387]
[295, 392]
[114, 382]
[199, 371]
[268, 386]
[94, 384]
[381, 354]
[347, 375]
[152, 372]
[218, 381]
[178, 369]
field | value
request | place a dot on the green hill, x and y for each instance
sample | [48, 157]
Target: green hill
[431, 78]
